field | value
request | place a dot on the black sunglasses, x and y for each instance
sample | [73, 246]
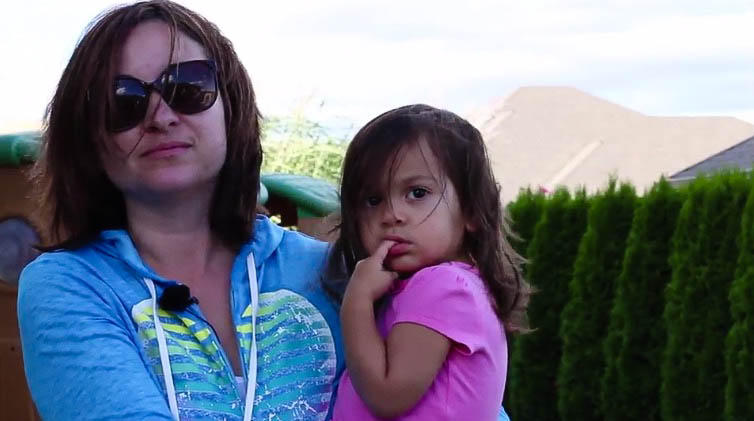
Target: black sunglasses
[188, 87]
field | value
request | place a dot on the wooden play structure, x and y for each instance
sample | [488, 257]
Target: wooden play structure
[17, 153]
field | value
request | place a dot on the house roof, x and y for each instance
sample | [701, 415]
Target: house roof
[550, 136]
[740, 155]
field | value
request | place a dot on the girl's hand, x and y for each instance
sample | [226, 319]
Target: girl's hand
[370, 279]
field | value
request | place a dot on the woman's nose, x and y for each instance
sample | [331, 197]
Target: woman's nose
[159, 115]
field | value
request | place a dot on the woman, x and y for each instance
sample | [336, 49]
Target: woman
[145, 305]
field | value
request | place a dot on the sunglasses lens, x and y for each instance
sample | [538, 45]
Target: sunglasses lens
[130, 104]
[191, 87]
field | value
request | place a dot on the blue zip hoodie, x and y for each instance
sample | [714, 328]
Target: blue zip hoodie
[90, 348]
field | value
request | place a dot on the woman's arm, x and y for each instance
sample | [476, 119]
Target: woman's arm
[390, 376]
[81, 362]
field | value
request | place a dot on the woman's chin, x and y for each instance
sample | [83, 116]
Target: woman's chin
[168, 186]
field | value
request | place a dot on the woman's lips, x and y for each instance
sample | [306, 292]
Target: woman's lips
[166, 149]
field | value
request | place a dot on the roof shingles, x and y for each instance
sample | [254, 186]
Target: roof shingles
[740, 155]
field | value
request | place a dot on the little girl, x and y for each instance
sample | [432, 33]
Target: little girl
[433, 283]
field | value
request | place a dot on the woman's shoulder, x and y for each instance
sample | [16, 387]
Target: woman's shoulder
[109, 244]
[292, 260]
[59, 280]
[91, 270]
[270, 235]
[56, 262]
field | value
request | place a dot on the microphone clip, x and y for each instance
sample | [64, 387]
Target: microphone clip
[176, 298]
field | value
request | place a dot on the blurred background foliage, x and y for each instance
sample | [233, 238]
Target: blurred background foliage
[296, 144]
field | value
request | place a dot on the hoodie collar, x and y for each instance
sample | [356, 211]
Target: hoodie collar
[118, 244]
[266, 238]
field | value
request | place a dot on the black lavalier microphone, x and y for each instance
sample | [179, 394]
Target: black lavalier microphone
[177, 298]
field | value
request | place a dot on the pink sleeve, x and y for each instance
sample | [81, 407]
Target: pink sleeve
[446, 299]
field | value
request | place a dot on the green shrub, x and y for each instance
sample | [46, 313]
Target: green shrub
[524, 214]
[636, 333]
[739, 346]
[697, 311]
[684, 259]
[535, 356]
[584, 318]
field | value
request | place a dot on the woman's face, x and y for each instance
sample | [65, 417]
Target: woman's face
[168, 152]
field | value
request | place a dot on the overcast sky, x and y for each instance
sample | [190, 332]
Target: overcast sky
[347, 61]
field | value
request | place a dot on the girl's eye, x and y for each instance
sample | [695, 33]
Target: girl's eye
[418, 192]
[373, 201]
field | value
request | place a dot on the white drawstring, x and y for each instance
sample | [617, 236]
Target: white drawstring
[251, 377]
[167, 373]
[251, 381]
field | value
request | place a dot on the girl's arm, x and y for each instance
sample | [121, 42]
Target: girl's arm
[390, 376]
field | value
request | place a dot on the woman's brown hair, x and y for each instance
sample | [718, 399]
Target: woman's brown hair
[459, 148]
[78, 197]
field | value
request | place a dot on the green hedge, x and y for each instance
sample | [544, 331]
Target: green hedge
[684, 258]
[535, 356]
[636, 333]
[524, 213]
[584, 318]
[697, 311]
[739, 349]
[657, 320]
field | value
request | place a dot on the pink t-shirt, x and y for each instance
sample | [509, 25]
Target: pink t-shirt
[451, 299]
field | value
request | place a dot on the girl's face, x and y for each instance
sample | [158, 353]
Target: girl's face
[417, 208]
[167, 152]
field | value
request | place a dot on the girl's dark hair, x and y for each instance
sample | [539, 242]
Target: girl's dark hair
[74, 190]
[460, 150]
